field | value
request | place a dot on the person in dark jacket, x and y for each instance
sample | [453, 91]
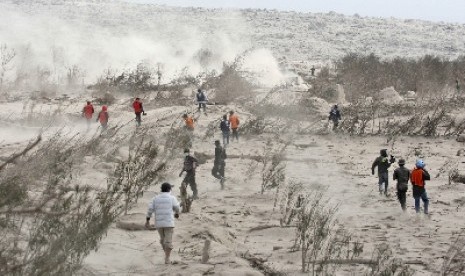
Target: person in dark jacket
[189, 166]
[335, 116]
[402, 175]
[219, 163]
[202, 100]
[225, 129]
[383, 164]
[418, 177]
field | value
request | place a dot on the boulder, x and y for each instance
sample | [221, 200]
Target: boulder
[317, 105]
[389, 96]
[461, 138]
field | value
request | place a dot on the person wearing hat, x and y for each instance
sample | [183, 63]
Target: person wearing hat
[402, 175]
[219, 163]
[383, 164]
[418, 177]
[189, 166]
[166, 208]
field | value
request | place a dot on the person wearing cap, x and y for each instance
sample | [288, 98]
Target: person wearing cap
[383, 164]
[418, 177]
[402, 175]
[219, 163]
[166, 208]
[189, 166]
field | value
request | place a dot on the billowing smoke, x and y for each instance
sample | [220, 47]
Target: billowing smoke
[86, 38]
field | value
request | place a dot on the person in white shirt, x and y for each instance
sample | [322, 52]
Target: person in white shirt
[166, 208]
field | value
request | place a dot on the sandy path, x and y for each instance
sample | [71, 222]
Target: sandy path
[337, 164]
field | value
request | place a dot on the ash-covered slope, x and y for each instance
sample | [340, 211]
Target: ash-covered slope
[119, 34]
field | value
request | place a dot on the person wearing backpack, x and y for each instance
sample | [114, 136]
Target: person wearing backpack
[402, 175]
[225, 129]
[383, 164]
[234, 120]
[103, 117]
[219, 163]
[418, 177]
[202, 100]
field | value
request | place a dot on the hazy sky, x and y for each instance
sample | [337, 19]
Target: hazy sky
[435, 10]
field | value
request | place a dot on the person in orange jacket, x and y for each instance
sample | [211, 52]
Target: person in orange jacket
[189, 122]
[138, 109]
[103, 117]
[418, 177]
[234, 121]
[189, 126]
[87, 112]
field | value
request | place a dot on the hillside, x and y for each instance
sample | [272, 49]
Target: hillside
[123, 34]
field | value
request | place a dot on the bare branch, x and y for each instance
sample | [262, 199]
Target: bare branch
[13, 158]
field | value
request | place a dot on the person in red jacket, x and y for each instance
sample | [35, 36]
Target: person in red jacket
[418, 177]
[87, 112]
[138, 109]
[103, 117]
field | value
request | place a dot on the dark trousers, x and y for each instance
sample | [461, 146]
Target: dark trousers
[225, 137]
[335, 124]
[402, 196]
[235, 134]
[383, 178]
[204, 105]
[421, 194]
[189, 179]
[218, 170]
[138, 118]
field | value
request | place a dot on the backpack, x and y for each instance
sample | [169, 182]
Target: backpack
[224, 125]
[201, 96]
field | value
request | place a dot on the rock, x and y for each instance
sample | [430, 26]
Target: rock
[318, 105]
[389, 96]
[411, 95]
[461, 138]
